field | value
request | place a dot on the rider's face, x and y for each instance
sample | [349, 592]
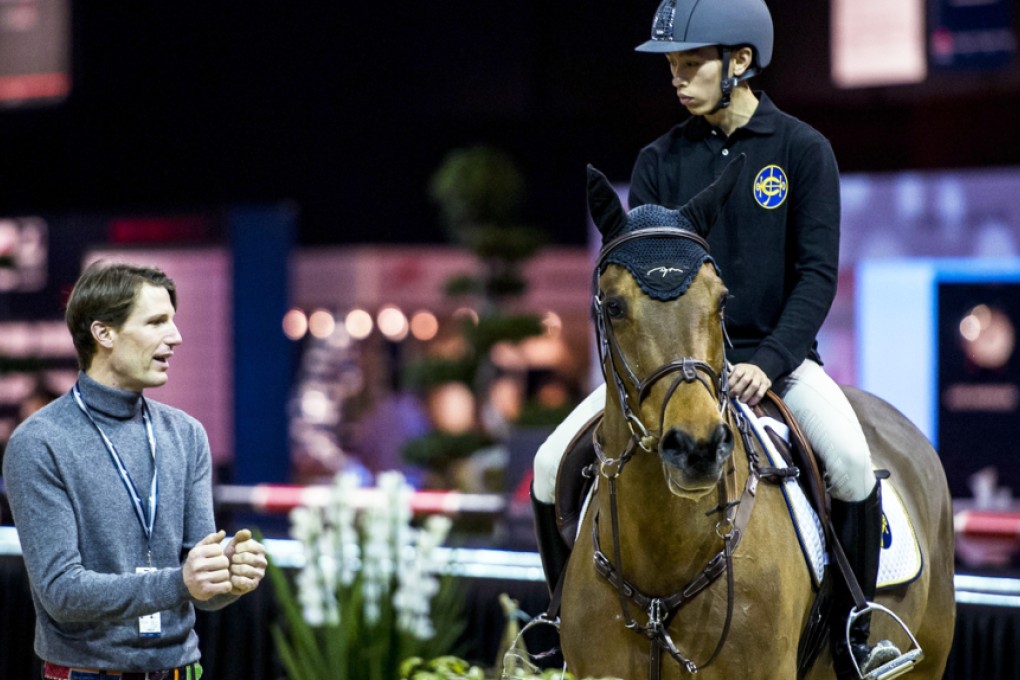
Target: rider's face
[697, 75]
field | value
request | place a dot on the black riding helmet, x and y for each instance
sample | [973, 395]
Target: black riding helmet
[681, 25]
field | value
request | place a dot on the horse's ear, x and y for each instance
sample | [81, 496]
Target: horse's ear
[704, 208]
[604, 205]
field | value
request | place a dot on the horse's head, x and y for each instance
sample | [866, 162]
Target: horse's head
[658, 309]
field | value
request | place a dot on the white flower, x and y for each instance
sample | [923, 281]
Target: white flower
[395, 560]
[305, 524]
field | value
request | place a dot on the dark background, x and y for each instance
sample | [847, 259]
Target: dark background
[346, 108]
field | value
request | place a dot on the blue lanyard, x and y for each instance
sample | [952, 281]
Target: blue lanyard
[146, 519]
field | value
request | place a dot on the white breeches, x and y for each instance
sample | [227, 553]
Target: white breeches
[821, 408]
[830, 424]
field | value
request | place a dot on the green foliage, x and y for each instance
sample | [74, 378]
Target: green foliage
[494, 328]
[460, 285]
[435, 450]
[300, 648]
[534, 414]
[442, 668]
[504, 285]
[353, 650]
[513, 661]
[496, 285]
[431, 371]
[479, 191]
[504, 243]
[476, 185]
[453, 668]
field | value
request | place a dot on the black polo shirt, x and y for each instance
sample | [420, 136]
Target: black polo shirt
[777, 239]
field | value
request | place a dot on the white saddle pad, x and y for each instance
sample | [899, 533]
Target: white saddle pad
[900, 560]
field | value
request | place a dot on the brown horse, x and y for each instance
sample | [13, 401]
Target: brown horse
[684, 562]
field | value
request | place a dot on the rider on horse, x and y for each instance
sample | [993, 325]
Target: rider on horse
[777, 244]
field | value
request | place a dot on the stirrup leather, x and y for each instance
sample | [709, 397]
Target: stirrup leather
[901, 665]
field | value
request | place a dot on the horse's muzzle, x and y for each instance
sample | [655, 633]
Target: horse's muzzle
[699, 462]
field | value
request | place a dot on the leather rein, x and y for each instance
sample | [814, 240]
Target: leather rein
[735, 514]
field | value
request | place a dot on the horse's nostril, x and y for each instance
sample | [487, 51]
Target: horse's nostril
[723, 440]
[670, 441]
[675, 446]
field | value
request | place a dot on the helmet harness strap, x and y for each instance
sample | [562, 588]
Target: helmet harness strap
[727, 83]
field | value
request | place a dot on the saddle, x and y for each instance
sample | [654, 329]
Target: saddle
[574, 479]
[578, 467]
[796, 451]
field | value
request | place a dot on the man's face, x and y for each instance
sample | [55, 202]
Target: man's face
[697, 75]
[141, 348]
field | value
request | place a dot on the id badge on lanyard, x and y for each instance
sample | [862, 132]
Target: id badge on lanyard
[148, 625]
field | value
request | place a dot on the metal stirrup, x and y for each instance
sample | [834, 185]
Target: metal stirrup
[902, 664]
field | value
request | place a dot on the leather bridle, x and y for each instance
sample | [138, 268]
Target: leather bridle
[735, 514]
[688, 369]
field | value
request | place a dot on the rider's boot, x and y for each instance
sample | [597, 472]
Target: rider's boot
[858, 526]
[551, 546]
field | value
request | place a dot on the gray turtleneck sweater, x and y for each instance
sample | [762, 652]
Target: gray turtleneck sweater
[82, 540]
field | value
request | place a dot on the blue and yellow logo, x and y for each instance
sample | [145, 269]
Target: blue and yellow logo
[886, 532]
[771, 187]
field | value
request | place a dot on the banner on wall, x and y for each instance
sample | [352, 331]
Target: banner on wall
[35, 51]
[971, 34]
[978, 397]
[877, 43]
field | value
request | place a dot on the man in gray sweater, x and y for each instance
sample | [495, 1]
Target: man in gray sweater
[112, 497]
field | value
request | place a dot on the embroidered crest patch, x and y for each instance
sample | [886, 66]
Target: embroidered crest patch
[771, 187]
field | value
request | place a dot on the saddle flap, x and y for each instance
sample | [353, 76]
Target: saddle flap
[797, 452]
[572, 485]
[900, 561]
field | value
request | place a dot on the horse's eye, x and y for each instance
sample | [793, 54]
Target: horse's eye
[616, 308]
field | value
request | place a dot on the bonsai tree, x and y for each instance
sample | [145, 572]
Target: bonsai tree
[479, 192]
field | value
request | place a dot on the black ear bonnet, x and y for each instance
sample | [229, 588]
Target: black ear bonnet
[663, 249]
[663, 266]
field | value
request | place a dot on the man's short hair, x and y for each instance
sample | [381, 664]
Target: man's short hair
[106, 292]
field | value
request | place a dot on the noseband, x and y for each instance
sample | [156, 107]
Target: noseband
[735, 514]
